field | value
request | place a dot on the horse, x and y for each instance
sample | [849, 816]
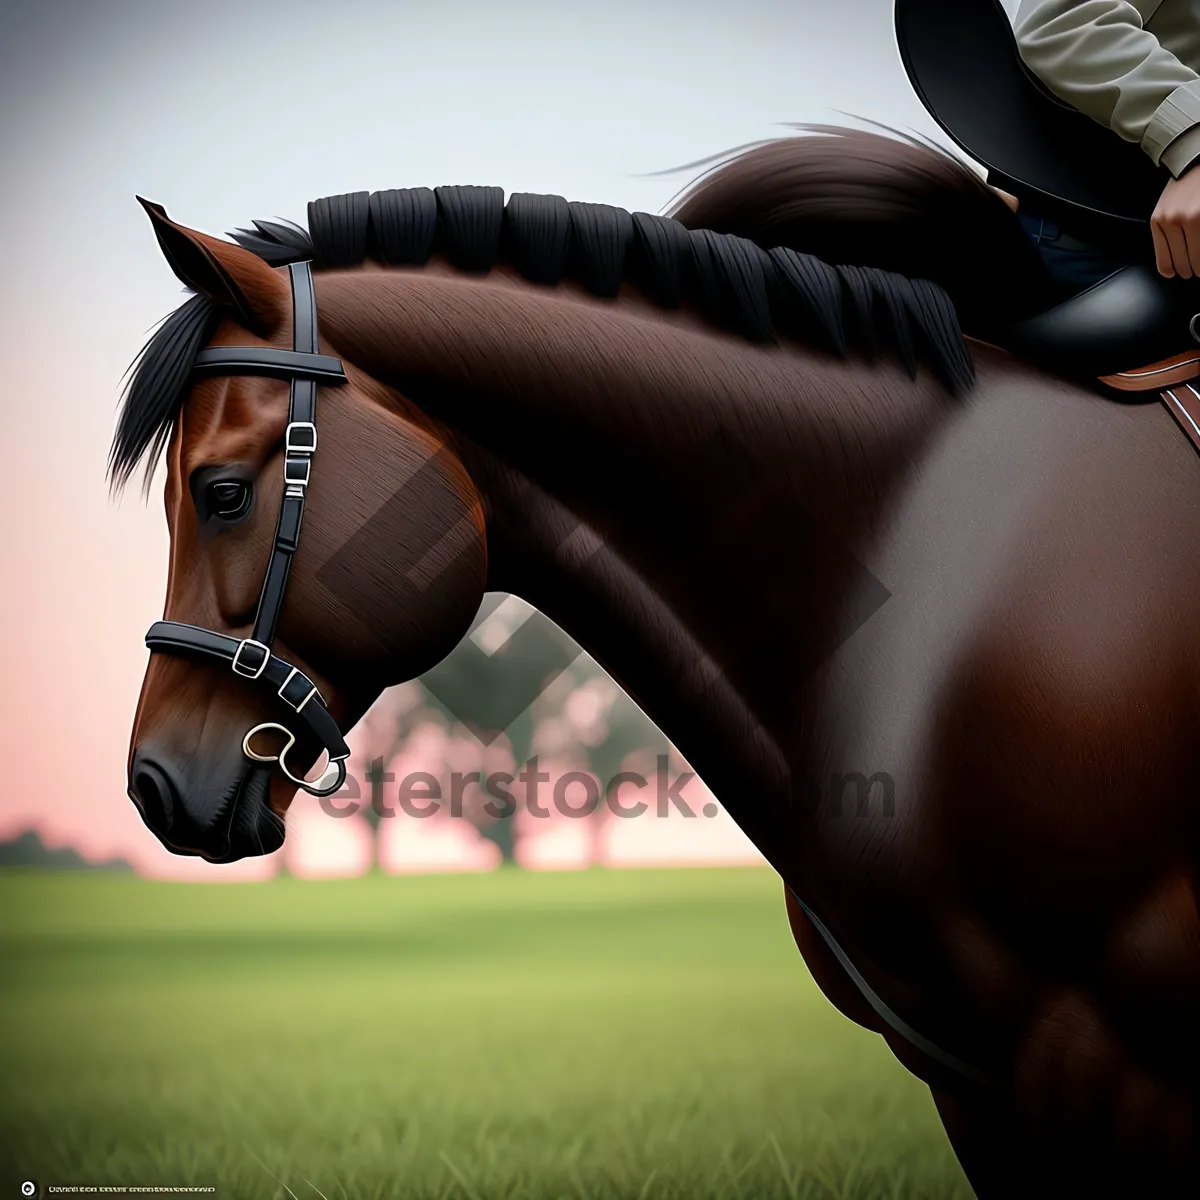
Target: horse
[761, 459]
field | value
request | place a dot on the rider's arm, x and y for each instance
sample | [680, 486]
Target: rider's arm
[1095, 55]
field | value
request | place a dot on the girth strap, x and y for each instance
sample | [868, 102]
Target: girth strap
[889, 1017]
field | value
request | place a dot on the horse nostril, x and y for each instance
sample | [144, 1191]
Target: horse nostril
[151, 790]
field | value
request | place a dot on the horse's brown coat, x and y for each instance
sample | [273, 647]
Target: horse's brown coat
[707, 517]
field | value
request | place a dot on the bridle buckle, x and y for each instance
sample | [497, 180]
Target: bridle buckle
[245, 670]
[283, 687]
[291, 439]
[296, 472]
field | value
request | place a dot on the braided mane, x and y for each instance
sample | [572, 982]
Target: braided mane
[763, 293]
[738, 284]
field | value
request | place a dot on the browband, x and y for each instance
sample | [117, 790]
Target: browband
[267, 360]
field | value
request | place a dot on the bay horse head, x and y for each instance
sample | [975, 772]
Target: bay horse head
[384, 581]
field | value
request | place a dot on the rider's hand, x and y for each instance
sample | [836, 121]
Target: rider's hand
[1175, 225]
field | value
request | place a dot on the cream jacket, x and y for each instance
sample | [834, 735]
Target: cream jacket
[1133, 65]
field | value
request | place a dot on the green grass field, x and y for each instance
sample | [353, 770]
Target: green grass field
[588, 1035]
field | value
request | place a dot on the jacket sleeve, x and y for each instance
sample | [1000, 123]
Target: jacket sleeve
[1096, 55]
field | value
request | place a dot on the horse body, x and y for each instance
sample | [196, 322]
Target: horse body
[1027, 896]
[1030, 688]
[936, 656]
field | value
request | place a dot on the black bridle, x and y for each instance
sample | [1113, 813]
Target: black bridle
[251, 657]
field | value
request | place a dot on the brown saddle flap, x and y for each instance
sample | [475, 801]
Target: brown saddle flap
[1165, 373]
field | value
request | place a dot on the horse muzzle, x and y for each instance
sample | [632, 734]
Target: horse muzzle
[223, 816]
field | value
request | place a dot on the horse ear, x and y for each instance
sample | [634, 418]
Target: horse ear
[238, 280]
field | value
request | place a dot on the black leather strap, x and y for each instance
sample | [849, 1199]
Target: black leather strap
[292, 686]
[267, 360]
[251, 657]
[304, 309]
[901, 1026]
[300, 444]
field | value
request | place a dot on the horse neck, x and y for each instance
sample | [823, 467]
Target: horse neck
[677, 499]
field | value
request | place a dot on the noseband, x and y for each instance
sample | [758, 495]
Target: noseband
[251, 657]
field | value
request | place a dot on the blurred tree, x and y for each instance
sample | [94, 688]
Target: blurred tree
[503, 830]
[514, 672]
[489, 684]
[602, 731]
[375, 777]
[629, 732]
[386, 727]
[28, 850]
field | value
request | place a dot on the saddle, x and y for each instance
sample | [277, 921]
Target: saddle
[1133, 331]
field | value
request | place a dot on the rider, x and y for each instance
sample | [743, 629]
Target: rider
[1133, 65]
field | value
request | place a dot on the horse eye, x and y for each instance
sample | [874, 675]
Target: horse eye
[228, 499]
